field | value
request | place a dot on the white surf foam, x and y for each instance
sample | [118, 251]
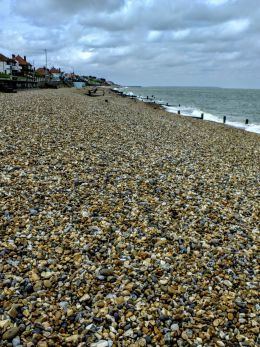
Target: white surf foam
[193, 112]
[189, 112]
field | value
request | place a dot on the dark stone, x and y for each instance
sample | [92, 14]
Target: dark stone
[139, 333]
[164, 318]
[148, 339]
[127, 327]
[154, 279]
[97, 319]
[22, 327]
[183, 250]
[116, 316]
[241, 304]
[29, 289]
[72, 318]
[134, 296]
[37, 331]
[174, 214]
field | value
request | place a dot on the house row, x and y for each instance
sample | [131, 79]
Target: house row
[57, 74]
[15, 66]
[52, 73]
[19, 66]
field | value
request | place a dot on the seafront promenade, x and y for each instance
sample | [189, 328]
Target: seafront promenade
[12, 86]
[124, 225]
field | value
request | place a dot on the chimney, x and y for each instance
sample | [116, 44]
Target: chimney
[24, 57]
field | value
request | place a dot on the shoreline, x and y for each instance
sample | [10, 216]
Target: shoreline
[167, 107]
[125, 225]
[160, 106]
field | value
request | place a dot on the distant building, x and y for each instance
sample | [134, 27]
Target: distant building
[56, 73]
[5, 66]
[9, 65]
[70, 76]
[26, 67]
[42, 72]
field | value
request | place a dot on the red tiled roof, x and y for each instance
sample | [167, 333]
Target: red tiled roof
[3, 57]
[21, 60]
[53, 70]
[42, 71]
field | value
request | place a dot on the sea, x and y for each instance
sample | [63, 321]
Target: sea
[236, 105]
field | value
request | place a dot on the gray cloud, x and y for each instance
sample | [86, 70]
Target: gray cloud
[59, 8]
[140, 41]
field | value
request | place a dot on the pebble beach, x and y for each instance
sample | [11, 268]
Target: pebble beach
[124, 225]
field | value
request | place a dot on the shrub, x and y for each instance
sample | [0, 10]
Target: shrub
[4, 75]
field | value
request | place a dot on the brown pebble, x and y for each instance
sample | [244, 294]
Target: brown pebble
[11, 333]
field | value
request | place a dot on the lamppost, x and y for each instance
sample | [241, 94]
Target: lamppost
[46, 62]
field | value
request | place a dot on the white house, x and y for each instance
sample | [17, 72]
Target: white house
[56, 73]
[9, 66]
[5, 65]
[16, 67]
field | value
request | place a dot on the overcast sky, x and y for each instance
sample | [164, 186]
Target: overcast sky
[139, 42]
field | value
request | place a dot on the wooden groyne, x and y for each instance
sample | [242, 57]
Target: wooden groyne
[151, 100]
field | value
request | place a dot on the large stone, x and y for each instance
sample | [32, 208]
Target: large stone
[72, 339]
[11, 333]
[106, 272]
[102, 343]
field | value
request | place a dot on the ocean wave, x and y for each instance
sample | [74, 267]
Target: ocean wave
[189, 111]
